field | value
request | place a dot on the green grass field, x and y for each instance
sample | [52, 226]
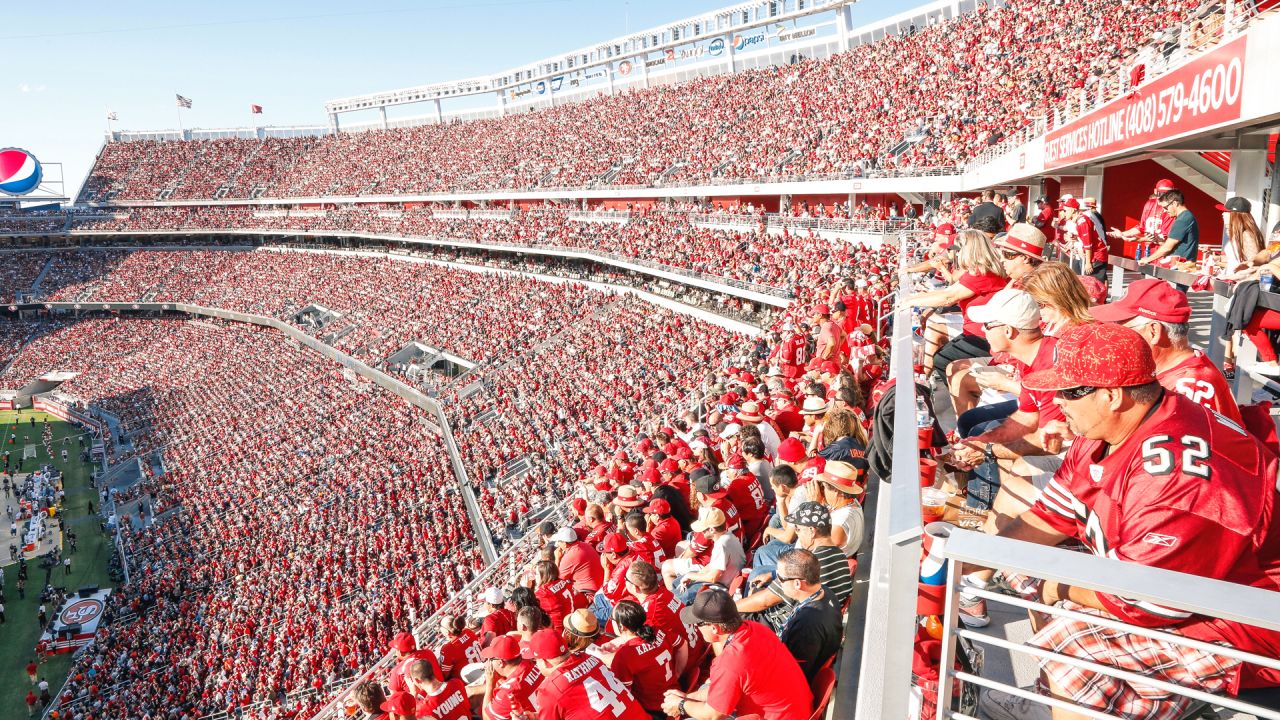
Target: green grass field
[88, 566]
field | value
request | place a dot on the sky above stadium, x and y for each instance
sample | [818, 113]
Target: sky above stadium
[69, 66]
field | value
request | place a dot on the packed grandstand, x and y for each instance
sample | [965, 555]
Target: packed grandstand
[601, 408]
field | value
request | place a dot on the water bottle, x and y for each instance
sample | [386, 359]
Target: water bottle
[924, 418]
[1265, 280]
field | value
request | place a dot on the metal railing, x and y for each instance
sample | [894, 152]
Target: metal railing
[503, 573]
[884, 676]
[778, 220]
[1198, 595]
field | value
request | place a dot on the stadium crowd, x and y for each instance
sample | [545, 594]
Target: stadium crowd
[301, 515]
[657, 236]
[1005, 67]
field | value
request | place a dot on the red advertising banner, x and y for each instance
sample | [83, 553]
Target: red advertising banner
[1201, 94]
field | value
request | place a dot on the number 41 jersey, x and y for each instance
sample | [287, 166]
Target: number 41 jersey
[1189, 491]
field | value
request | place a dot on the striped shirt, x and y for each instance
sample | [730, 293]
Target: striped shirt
[836, 578]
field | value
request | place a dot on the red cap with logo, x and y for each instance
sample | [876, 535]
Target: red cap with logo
[1149, 298]
[1071, 203]
[1165, 185]
[1096, 355]
[546, 645]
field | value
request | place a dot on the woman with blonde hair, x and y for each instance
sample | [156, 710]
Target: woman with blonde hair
[954, 336]
[1064, 302]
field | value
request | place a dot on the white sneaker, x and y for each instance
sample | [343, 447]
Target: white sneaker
[1000, 705]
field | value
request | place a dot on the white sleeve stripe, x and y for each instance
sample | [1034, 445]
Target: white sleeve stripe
[1052, 499]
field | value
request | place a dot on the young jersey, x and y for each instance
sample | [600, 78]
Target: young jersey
[448, 703]
[645, 667]
[1188, 491]
[1199, 379]
[584, 688]
[459, 652]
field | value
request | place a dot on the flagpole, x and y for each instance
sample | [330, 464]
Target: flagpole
[181, 134]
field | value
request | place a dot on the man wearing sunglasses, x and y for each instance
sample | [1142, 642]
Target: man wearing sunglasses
[1156, 479]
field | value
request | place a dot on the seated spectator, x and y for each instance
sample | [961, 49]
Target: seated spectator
[643, 661]
[686, 579]
[578, 561]
[813, 527]
[814, 632]
[957, 336]
[1160, 314]
[436, 698]
[839, 487]
[555, 594]
[460, 647]
[498, 620]
[369, 696]
[510, 680]
[736, 685]
[578, 686]
[1139, 465]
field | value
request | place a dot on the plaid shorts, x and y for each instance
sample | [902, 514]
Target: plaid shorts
[1177, 664]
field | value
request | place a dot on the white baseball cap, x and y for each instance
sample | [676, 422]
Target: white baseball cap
[493, 596]
[1015, 308]
[565, 534]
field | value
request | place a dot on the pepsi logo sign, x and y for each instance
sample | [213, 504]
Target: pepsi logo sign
[742, 42]
[81, 612]
[20, 172]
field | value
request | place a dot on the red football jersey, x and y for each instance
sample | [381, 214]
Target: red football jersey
[584, 688]
[1199, 379]
[557, 598]
[667, 534]
[450, 703]
[645, 667]
[514, 693]
[459, 652]
[1188, 491]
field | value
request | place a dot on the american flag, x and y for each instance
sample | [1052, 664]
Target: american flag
[111, 115]
[184, 102]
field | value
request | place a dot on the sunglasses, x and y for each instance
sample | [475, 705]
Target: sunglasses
[1009, 255]
[785, 579]
[992, 325]
[1076, 393]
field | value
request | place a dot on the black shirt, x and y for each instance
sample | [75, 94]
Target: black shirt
[813, 633]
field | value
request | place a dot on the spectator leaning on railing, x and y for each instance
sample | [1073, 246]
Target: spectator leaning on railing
[1152, 478]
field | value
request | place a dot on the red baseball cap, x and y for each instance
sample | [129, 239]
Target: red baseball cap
[830, 367]
[546, 644]
[404, 642]
[401, 703]
[614, 542]
[822, 310]
[503, 647]
[658, 506]
[1164, 185]
[579, 505]
[1096, 355]
[1071, 203]
[670, 466]
[1149, 298]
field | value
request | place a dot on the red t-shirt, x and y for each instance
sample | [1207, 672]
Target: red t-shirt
[662, 611]
[558, 599]
[1199, 379]
[645, 667]
[499, 622]
[667, 533]
[581, 564]
[458, 652]
[450, 703]
[395, 678]
[1087, 232]
[733, 520]
[1155, 220]
[584, 688]
[615, 588]
[983, 287]
[514, 693]
[1039, 401]
[748, 497]
[739, 687]
[1189, 492]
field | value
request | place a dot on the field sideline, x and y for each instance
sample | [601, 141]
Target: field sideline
[88, 565]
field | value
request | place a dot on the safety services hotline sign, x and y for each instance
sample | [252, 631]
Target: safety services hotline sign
[1201, 94]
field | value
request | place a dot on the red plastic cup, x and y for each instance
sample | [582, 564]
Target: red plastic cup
[928, 472]
[925, 437]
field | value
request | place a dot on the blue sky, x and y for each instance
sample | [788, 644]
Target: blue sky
[77, 58]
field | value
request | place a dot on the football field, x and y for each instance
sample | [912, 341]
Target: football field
[19, 633]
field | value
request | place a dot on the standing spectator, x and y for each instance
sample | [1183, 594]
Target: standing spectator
[578, 686]
[31, 702]
[736, 685]
[813, 634]
[1184, 235]
[1154, 222]
[1043, 220]
[32, 669]
[1014, 211]
[988, 208]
